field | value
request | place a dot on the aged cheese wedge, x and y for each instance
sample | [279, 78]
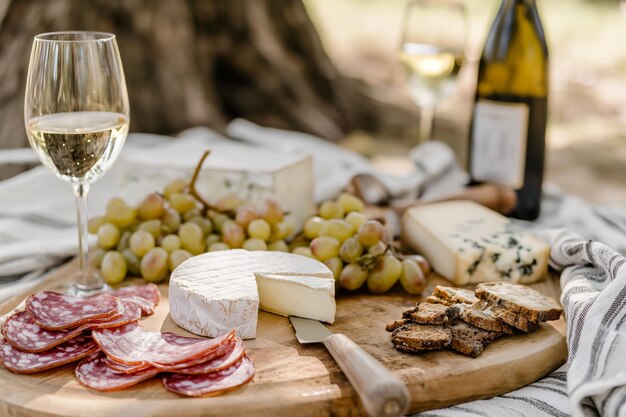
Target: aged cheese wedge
[468, 243]
[211, 294]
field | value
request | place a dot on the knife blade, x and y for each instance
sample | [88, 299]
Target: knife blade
[381, 392]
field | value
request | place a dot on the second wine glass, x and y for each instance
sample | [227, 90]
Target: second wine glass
[431, 53]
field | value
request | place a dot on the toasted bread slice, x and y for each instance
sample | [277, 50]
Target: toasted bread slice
[520, 300]
[390, 327]
[512, 319]
[420, 337]
[428, 313]
[455, 295]
[433, 299]
[481, 316]
[469, 340]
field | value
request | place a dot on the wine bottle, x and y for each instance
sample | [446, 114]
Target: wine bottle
[507, 140]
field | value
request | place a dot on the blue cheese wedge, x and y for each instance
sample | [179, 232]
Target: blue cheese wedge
[213, 293]
[468, 243]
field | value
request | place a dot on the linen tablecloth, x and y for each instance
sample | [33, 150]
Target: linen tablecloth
[37, 232]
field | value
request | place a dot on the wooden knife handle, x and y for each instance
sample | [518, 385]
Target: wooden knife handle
[382, 393]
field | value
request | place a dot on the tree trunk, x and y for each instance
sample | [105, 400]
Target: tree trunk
[204, 62]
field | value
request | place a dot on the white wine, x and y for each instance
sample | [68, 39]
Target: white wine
[78, 146]
[430, 71]
[507, 141]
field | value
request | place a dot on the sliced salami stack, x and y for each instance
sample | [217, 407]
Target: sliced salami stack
[55, 329]
[191, 366]
[103, 330]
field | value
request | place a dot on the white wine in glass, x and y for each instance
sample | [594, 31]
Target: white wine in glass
[77, 114]
[431, 54]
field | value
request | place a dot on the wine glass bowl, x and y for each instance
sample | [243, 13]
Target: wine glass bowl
[76, 114]
[431, 54]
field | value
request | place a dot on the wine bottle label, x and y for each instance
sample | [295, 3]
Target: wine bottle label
[499, 142]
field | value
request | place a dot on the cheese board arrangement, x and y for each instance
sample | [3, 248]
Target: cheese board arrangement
[232, 274]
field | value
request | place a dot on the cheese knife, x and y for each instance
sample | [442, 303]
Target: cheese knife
[382, 393]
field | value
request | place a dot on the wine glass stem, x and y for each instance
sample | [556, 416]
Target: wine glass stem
[427, 117]
[86, 280]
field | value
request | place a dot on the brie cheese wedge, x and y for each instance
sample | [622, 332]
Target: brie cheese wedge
[212, 293]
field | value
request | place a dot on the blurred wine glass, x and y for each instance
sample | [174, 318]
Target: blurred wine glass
[76, 113]
[431, 53]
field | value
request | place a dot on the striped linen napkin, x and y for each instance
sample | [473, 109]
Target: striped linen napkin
[593, 381]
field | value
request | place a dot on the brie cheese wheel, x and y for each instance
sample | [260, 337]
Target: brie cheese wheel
[213, 293]
[468, 243]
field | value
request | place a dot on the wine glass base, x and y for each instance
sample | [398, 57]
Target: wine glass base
[79, 291]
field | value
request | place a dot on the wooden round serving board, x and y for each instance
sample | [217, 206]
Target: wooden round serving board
[292, 379]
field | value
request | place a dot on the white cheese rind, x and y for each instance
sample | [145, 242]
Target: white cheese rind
[468, 243]
[302, 296]
[213, 293]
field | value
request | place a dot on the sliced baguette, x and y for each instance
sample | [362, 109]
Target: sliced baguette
[469, 340]
[416, 338]
[481, 316]
[520, 300]
[455, 295]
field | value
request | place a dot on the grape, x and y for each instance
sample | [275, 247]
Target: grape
[190, 214]
[325, 247]
[271, 212]
[218, 246]
[350, 202]
[177, 257]
[337, 228]
[94, 224]
[113, 268]
[154, 266]
[313, 226]
[108, 235]
[352, 277]
[298, 242]
[175, 187]
[123, 242]
[255, 244]
[210, 239]
[421, 261]
[304, 251]
[233, 235]
[412, 277]
[370, 233]
[331, 210]
[204, 223]
[171, 220]
[385, 274]
[152, 207]
[151, 226]
[141, 242]
[335, 265]
[120, 214]
[245, 214]
[278, 246]
[95, 258]
[219, 220]
[191, 238]
[133, 263]
[377, 249]
[226, 202]
[351, 250]
[182, 202]
[282, 230]
[260, 229]
[356, 219]
[171, 243]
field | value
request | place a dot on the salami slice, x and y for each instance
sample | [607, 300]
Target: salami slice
[54, 311]
[214, 383]
[21, 331]
[124, 368]
[93, 373]
[147, 296]
[133, 345]
[232, 356]
[25, 362]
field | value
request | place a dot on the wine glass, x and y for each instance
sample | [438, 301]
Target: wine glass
[431, 54]
[76, 113]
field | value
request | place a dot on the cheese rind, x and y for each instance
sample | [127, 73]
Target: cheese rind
[213, 293]
[468, 243]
